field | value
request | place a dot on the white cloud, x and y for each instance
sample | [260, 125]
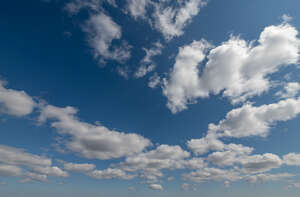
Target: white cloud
[10, 170]
[290, 90]
[185, 186]
[167, 18]
[233, 154]
[92, 141]
[110, 173]
[286, 18]
[13, 156]
[101, 31]
[75, 6]
[154, 81]
[143, 70]
[147, 64]
[260, 178]
[292, 159]
[237, 69]
[260, 163]
[171, 21]
[212, 174]
[137, 8]
[183, 85]
[51, 171]
[156, 187]
[29, 177]
[152, 162]
[250, 120]
[15, 102]
[30, 167]
[83, 167]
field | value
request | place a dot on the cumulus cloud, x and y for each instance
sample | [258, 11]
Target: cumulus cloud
[237, 69]
[150, 163]
[290, 90]
[92, 141]
[14, 156]
[260, 163]
[111, 173]
[245, 121]
[15, 102]
[101, 31]
[30, 167]
[10, 170]
[76, 167]
[292, 159]
[260, 178]
[156, 187]
[167, 18]
[171, 21]
[183, 85]
[212, 174]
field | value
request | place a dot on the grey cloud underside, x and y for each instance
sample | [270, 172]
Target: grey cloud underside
[29, 167]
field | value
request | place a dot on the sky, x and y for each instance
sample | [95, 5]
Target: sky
[143, 98]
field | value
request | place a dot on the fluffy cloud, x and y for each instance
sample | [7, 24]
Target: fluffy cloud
[156, 187]
[110, 173]
[51, 171]
[147, 64]
[237, 69]
[166, 17]
[13, 156]
[171, 21]
[85, 167]
[14, 102]
[233, 154]
[152, 162]
[137, 8]
[212, 174]
[30, 167]
[290, 90]
[260, 163]
[292, 159]
[268, 177]
[183, 85]
[245, 121]
[92, 141]
[10, 170]
[101, 31]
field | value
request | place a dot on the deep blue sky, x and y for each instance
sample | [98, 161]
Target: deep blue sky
[45, 53]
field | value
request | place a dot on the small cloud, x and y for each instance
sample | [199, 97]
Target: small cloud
[133, 189]
[286, 18]
[156, 187]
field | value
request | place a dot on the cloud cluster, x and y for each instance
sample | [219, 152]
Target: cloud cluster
[245, 121]
[18, 163]
[92, 141]
[237, 69]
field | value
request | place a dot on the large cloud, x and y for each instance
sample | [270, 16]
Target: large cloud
[14, 102]
[246, 121]
[237, 69]
[92, 141]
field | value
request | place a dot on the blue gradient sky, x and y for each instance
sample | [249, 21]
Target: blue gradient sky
[45, 53]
